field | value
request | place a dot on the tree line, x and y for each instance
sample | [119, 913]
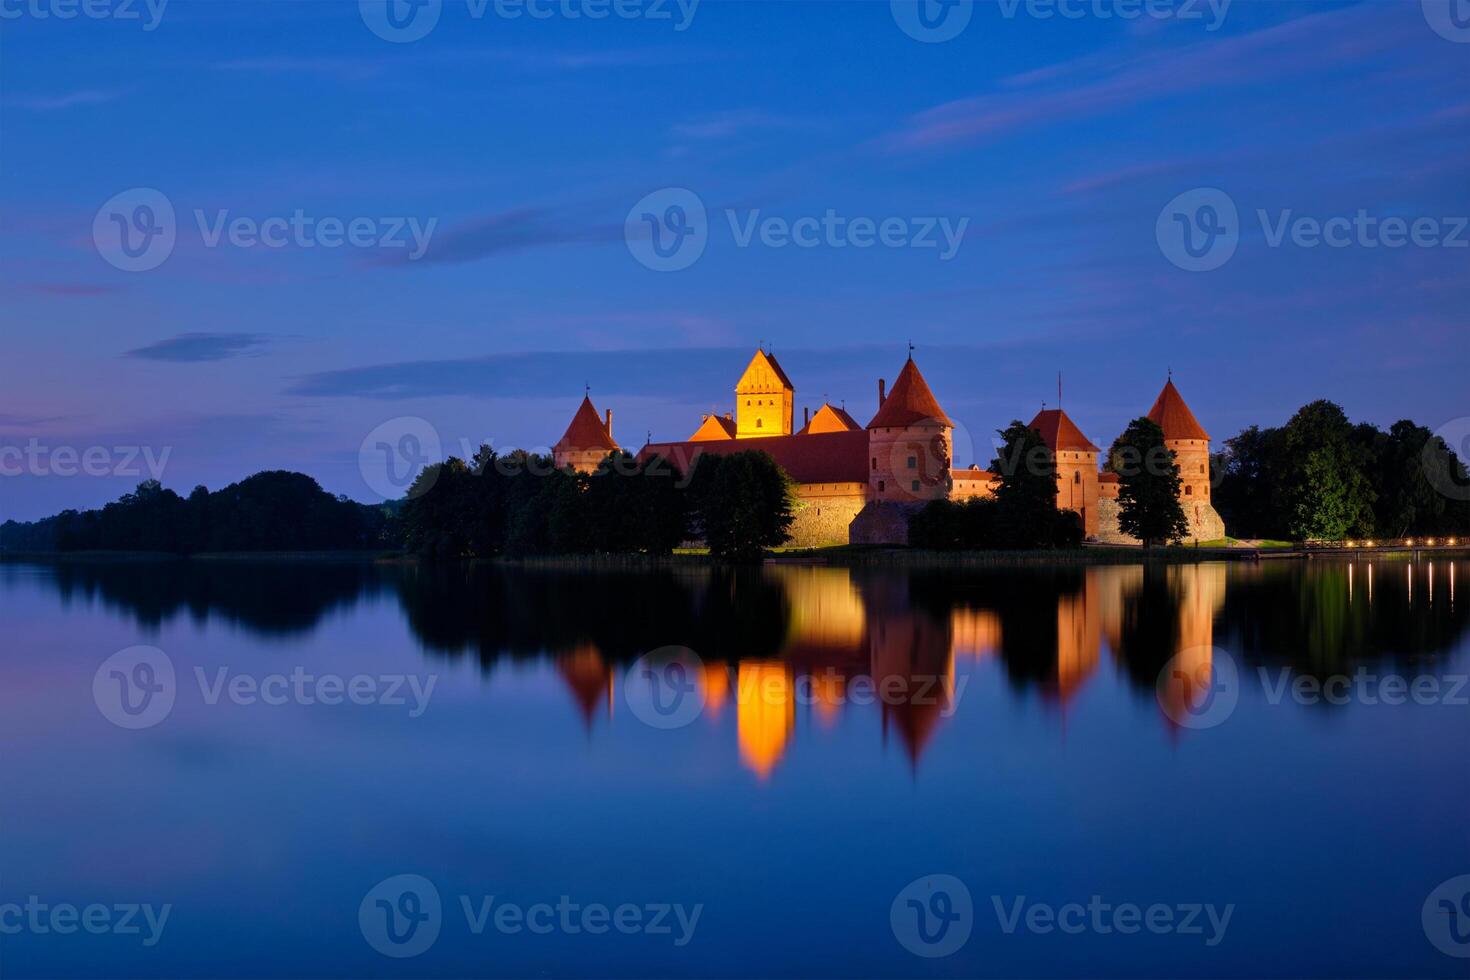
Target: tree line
[1321, 477]
[520, 505]
[271, 511]
[1316, 477]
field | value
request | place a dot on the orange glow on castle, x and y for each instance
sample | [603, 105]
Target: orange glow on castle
[859, 484]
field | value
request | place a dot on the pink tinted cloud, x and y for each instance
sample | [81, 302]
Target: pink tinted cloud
[1096, 85]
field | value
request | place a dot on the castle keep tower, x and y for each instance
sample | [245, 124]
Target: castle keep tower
[1076, 459]
[764, 399]
[587, 440]
[910, 442]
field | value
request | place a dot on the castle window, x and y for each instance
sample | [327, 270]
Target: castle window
[916, 484]
[1189, 491]
[1077, 477]
[913, 462]
[747, 403]
[875, 462]
[757, 423]
[881, 486]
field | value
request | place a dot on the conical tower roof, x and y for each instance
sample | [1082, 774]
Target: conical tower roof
[1172, 415]
[909, 402]
[586, 431]
[1060, 433]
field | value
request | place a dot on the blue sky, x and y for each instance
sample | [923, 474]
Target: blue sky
[1057, 140]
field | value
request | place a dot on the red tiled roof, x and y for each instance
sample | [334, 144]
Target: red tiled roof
[1107, 476]
[1174, 417]
[714, 427]
[829, 418]
[585, 432]
[1060, 433]
[973, 473]
[910, 401]
[826, 457]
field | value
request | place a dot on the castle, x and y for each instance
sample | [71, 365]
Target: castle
[859, 484]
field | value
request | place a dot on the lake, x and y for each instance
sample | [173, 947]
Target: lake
[359, 770]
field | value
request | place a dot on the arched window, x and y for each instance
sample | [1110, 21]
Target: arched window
[758, 423]
[1077, 477]
[1189, 491]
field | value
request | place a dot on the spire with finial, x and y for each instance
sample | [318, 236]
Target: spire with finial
[911, 350]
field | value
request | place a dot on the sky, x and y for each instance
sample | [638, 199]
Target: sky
[1108, 190]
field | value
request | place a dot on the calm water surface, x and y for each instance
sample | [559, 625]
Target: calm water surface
[1026, 748]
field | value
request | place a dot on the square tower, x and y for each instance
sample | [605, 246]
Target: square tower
[764, 399]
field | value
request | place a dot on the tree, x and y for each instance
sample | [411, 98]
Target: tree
[1148, 484]
[742, 504]
[1325, 475]
[1246, 473]
[1026, 514]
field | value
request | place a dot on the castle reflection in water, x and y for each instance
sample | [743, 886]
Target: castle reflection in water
[1050, 632]
[787, 641]
[846, 629]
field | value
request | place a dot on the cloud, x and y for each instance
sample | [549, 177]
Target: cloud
[192, 347]
[689, 373]
[724, 125]
[1095, 85]
[69, 100]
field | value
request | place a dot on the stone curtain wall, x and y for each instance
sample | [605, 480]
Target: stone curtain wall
[1204, 523]
[823, 513]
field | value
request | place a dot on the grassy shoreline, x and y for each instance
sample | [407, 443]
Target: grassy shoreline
[836, 555]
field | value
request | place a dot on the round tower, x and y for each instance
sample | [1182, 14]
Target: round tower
[1191, 446]
[587, 440]
[1189, 442]
[910, 443]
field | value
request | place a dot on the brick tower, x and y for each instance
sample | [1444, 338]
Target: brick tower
[1076, 457]
[1191, 445]
[587, 440]
[910, 442]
